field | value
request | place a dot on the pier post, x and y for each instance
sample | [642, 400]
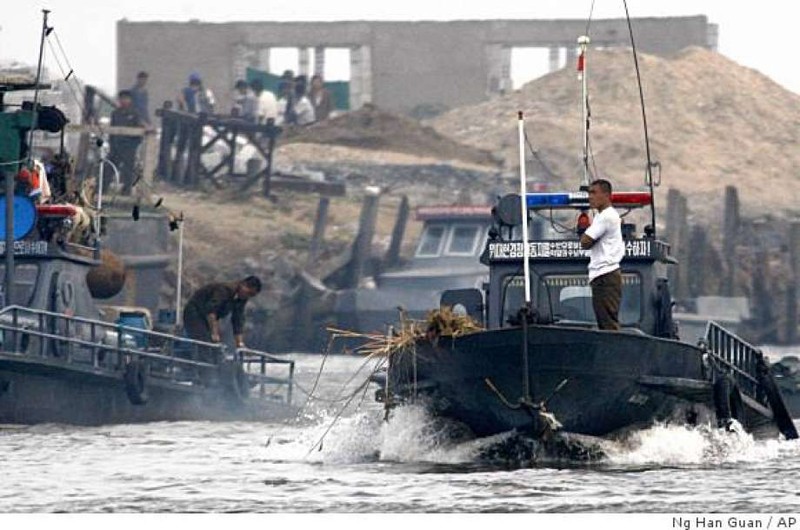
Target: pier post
[698, 262]
[762, 298]
[730, 230]
[192, 177]
[393, 254]
[678, 236]
[363, 243]
[791, 335]
[320, 223]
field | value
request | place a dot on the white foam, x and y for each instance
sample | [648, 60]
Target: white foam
[680, 445]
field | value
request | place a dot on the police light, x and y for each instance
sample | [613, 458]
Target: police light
[551, 200]
[580, 200]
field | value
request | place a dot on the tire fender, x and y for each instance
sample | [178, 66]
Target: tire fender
[136, 382]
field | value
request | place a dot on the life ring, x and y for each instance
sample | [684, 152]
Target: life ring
[235, 379]
[136, 382]
[728, 404]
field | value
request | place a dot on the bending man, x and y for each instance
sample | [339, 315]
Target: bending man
[215, 301]
[606, 249]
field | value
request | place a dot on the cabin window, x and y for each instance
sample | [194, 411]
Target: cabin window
[463, 240]
[25, 278]
[430, 244]
[569, 297]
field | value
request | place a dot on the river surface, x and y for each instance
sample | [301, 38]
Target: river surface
[347, 459]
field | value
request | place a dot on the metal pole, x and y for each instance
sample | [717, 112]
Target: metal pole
[45, 31]
[9, 280]
[178, 289]
[523, 194]
[98, 214]
[524, 311]
[583, 42]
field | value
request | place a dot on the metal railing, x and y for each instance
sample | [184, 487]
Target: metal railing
[261, 361]
[739, 358]
[106, 348]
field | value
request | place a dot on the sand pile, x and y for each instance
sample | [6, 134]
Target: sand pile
[711, 121]
[370, 128]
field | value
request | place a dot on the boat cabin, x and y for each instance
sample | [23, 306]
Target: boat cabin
[560, 292]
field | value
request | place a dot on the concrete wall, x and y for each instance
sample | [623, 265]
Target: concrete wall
[396, 65]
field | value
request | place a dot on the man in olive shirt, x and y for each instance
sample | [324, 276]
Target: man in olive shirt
[214, 302]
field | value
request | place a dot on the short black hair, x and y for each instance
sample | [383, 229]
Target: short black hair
[253, 282]
[241, 83]
[603, 184]
[142, 74]
[125, 94]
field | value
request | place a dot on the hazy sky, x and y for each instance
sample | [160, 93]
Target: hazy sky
[757, 34]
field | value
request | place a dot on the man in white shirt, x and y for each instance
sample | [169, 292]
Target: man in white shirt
[606, 249]
[266, 102]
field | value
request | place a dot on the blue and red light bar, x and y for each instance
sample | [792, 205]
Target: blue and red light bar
[580, 199]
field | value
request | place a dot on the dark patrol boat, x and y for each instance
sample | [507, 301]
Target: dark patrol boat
[540, 366]
[545, 367]
[60, 361]
[446, 257]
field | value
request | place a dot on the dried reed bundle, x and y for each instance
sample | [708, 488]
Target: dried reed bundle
[438, 323]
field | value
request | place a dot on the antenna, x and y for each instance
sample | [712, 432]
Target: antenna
[583, 42]
[650, 163]
[524, 208]
[34, 119]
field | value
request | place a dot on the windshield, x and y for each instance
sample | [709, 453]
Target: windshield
[569, 297]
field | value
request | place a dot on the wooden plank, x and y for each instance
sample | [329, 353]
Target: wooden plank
[329, 189]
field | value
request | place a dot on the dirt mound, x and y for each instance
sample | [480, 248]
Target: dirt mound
[711, 122]
[378, 130]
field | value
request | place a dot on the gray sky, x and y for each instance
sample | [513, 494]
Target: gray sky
[753, 33]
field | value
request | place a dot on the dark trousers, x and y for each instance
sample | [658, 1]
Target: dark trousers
[196, 327]
[124, 157]
[606, 297]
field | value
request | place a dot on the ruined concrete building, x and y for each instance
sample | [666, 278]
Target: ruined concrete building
[399, 66]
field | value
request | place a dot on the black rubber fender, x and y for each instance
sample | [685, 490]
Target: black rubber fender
[136, 382]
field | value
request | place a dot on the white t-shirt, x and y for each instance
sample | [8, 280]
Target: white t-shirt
[608, 248]
[267, 107]
[304, 110]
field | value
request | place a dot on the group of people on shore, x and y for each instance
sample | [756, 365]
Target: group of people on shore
[296, 104]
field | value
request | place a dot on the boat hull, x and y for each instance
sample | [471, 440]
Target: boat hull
[612, 381]
[34, 392]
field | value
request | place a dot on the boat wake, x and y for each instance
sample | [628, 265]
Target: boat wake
[412, 436]
[673, 445]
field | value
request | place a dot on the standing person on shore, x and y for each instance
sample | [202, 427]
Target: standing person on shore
[244, 102]
[303, 107]
[122, 147]
[606, 249]
[320, 98]
[195, 98]
[266, 102]
[140, 98]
